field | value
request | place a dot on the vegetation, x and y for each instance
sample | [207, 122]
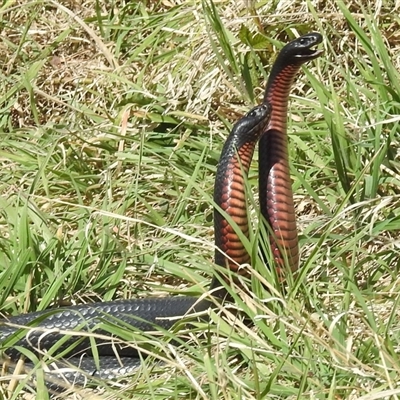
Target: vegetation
[113, 118]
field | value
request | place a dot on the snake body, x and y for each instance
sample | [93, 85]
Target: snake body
[151, 314]
[276, 204]
[276, 196]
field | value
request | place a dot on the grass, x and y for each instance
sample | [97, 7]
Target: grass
[113, 118]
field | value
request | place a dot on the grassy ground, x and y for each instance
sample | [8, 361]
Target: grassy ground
[113, 118]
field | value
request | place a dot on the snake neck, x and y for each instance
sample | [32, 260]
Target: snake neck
[277, 93]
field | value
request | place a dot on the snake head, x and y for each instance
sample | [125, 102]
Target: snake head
[250, 127]
[254, 122]
[285, 67]
[301, 49]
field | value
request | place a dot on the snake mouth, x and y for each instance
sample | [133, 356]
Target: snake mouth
[309, 54]
[304, 47]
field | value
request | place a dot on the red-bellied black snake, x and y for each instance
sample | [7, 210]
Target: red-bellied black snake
[276, 197]
[276, 202]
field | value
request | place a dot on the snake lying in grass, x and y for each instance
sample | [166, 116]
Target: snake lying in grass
[266, 121]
